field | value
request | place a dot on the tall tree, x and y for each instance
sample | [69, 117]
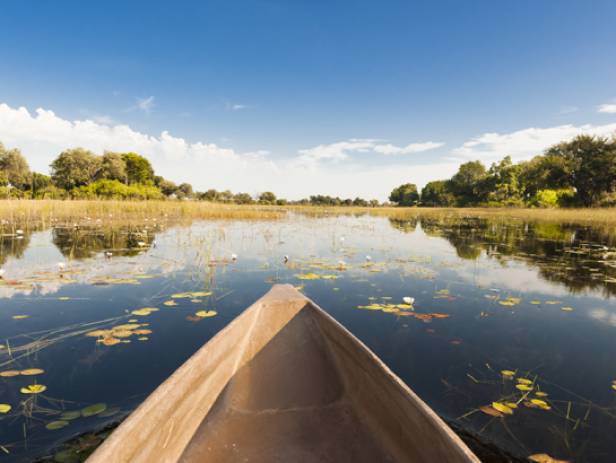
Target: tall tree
[591, 165]
[74, 168]
[437, 194]
[14, 168]
[267, 197]
[467, 183]
[113, 167]
[405, 195]
[138, 168]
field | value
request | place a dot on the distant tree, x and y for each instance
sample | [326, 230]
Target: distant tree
[467, 183]
[243, 198]
[360, 202]
[225, 196]
[405, 195]
[502, 183]
[167, 187]
[374, 203]
[40, 183]
[74, 168]
[437, 194]
[281, 202]
[267, 197]
[14, 168]
[138, 169]
[591, 162]
[113, 167]
[210, 195]
[185, 190]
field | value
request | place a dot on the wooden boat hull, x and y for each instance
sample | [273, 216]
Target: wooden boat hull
[283, 382]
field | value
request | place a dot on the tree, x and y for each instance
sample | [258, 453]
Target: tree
[242, 198]
[405, 195]
[437, 194]
[14, 168]
[267, 197]
[502, 183]
[210, 195]
[591, 165]
[167, 187]
[185, 190]
[40, 182]
[138, 169]
[74, 168]
[466, 184]
[113, 167]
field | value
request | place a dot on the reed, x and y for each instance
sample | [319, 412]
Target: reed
[24, 213]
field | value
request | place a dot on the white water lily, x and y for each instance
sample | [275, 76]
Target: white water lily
[234, 257]
[408, 300]
[1, 273]
[61, 266]
[368, 258]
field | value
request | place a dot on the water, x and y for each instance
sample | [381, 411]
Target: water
[503, 284]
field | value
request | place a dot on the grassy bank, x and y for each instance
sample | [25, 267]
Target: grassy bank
[50, 212]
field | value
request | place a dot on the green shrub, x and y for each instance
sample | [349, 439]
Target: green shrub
[113, 189]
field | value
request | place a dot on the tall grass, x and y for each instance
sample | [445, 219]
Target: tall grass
[24, 213]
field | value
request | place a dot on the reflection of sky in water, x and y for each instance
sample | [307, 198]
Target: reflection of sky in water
[572, 352]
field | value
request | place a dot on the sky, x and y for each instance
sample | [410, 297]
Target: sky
[348, 98]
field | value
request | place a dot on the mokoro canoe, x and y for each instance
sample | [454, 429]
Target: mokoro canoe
[283, 382]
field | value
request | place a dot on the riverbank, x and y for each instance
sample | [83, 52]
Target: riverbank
[82, 212]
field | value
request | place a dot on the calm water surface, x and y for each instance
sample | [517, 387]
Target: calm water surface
[536, 299]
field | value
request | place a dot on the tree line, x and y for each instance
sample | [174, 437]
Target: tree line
[581, 172]
[81, 174]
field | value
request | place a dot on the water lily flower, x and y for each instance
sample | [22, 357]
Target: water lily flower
[408, 300]
[61, 266]
[233, 257]
[1, 273]
[368, 258]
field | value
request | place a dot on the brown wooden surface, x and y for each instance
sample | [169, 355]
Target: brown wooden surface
[283, 382]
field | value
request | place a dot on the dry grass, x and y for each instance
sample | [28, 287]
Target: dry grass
[24, 213]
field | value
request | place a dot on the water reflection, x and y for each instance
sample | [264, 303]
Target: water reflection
[489, 295]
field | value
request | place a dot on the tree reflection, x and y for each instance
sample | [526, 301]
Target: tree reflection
[579, 257]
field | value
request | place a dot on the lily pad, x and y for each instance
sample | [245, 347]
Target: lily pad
[33, 389]
[59, 424]
[5, 408]
[94, 409]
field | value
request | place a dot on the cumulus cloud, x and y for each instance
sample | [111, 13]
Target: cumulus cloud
[341, 150]
[525, 143]
[42, 135]
[609, 108]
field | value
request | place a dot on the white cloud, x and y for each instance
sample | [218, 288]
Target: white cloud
[42, 135]
[609, 108]
[145, 104]
[235, 106]
[525, 143]
[341, 150]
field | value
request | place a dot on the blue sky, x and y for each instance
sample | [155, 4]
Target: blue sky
[340, 97]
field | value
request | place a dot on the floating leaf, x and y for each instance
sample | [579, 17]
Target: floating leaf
[5, 408]
[541, 394]
[524, 381]
[545, 458]
[94, 409]
[144, 311]
[33, 389]
[206, 313]
[109, 412]
[97, 333]
[307, 276]
[142, 332]
[540, 403]
[567, 309]
[523, 387]
[70, 415]
[170, 303]
[501, 407]
[128, 326]
[510, 301]
[9, 373]
[143, 338]
[32, 372]
[488, 410]
[20, 317]
[552, 302]
[535, 302]
[511, 405]
[508, 373]
[110, 341]
[56, 425]
[191, 295]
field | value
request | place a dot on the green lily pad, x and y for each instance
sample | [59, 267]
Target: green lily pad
[70, 415]
[56, 425]
[93, 409]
